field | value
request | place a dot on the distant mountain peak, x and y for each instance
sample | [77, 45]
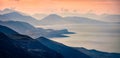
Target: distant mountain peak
[11, 11]
[53, 16]
[42, 38]
[14, 13]
[7, 10]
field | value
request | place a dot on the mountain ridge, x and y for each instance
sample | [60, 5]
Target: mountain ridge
[26, 45]
[27, 29]
[98, 54]
[66, 51]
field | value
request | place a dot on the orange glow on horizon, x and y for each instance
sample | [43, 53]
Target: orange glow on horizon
[60, 6]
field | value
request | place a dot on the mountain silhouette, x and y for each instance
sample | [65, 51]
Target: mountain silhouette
[21, 46]
[15, 45]
[17, 16]
[7, 31]
[27, 29]
[48, 20]
[66, 51]
[98, 54]
[8, 49]
[113, 18]
[16, 31]
[52, 19]
[7, 10]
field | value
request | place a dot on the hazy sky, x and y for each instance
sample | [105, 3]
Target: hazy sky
[62, 6]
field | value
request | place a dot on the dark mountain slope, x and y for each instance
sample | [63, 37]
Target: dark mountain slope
[66, 51]
[8, 49]
[98, 54]
[19, 44]
[7, 31]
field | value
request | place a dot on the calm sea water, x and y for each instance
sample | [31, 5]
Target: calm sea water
[99, 37]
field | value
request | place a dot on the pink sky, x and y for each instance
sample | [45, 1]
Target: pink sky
[61, 6]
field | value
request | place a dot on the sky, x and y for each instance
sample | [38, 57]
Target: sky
[62, 6]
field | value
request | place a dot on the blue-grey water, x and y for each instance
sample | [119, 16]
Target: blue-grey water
[100, 37]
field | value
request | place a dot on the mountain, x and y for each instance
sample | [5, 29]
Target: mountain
[83, 20]
[58, 33]
[18, 16]
[66, 51]
[54, 19]
[8, 49]
[39, 16]
[21, 46]
[98, 54]
[113, 18]
[27, 29]
[18, 26]
[35, 47]
[104, 17]
[6, 11]
[7, 31]
[15, 45]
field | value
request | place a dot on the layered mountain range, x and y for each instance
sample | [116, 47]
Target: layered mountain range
[48, 20]
[27, 29]
[20, 39]
[16, 45]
